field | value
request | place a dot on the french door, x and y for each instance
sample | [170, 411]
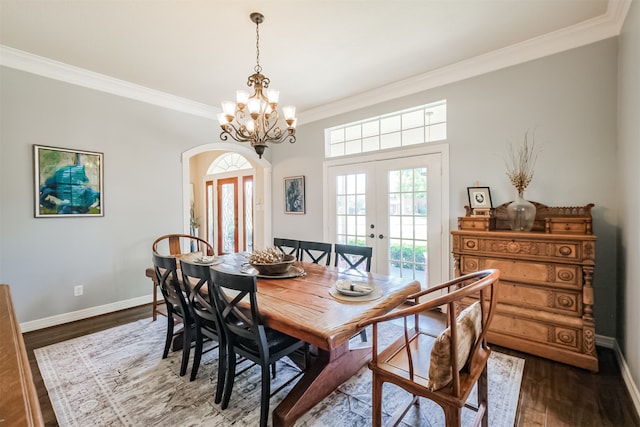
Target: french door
[394, 206]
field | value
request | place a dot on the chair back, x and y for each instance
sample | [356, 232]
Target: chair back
[241, 324]
[287, 246]
[447, 355]
[178, 244]
[198, 276]
[174, 296]
[316, 251]
[353, 257]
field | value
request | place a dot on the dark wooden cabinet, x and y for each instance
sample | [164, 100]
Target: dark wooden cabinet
[546, 284]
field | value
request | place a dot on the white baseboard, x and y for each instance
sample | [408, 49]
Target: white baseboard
[612, 343]
[606, 342]
[627, 377]
[84, 314]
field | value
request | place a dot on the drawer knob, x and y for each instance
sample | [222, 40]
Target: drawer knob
[565, 250]
[566, 275]
[565, 302]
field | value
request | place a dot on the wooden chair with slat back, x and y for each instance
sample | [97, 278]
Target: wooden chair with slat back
[317, 251]
[288, 246]
[442, 368]
[176, 245]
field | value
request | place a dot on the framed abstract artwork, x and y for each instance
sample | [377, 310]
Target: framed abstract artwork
[68, 183]
[294, 202]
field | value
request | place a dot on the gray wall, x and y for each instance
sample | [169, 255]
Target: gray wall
[569, 99]
[42, 259]
[629, 191]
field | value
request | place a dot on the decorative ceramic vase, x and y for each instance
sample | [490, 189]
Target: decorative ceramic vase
[521, 214]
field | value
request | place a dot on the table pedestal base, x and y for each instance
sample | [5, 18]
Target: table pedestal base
[329, 370]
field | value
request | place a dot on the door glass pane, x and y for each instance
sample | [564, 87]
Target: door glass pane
[228, 218]
[210, 225]
[351, 209]
[407, 200]
[248, 214]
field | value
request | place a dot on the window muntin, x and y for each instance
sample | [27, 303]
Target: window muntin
[418, 125]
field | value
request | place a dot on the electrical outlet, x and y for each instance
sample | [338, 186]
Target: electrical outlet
[77, 290]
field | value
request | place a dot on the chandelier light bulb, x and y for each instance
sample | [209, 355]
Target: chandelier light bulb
[229, 108]
[241, 98]
[253, 104]
[272, 96]
[289, 112]
[251, 126]
[223, 119]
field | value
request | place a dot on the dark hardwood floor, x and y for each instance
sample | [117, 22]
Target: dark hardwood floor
[552, 394]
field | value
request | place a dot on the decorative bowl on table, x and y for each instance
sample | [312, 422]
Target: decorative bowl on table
[274, 268]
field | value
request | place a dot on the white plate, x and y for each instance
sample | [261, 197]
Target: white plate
[353, 288]
[207, 260]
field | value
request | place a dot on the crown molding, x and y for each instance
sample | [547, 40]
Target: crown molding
[602, 27]
[24, 61]
[596, 29]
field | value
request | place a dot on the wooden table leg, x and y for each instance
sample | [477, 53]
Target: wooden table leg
[328, 371]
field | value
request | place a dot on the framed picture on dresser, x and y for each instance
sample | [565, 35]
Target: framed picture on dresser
[479, 197]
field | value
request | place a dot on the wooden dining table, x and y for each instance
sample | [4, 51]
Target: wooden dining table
[305, 306]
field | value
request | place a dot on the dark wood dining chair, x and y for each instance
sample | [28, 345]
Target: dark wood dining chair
[176, 245]
[442, 368]
[353, 257]
[247, 336]
[178, 309]
[207, 324]
[356, 258]
[316, 251]
[288, 246]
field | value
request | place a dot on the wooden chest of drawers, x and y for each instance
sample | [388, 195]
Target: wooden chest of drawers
[545, 294]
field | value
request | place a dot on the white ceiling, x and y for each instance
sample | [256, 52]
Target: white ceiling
[317, 53]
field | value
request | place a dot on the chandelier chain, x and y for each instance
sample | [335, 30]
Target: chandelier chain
[258, 68]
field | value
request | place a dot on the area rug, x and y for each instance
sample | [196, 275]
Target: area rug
[117, 377]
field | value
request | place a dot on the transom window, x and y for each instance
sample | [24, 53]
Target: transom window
[412, 126]
[228, 163]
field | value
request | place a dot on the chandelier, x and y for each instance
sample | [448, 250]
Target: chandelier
[255, 118]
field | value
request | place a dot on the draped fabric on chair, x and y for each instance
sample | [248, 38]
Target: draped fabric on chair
[441, 368]
[246, 335]
[206, 319]
[288, 246]
[177, 245]
[178, 308]
[316, 251]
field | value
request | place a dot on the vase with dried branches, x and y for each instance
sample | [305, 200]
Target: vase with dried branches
[520, 164]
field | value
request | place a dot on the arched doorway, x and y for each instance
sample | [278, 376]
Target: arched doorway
[195, 163]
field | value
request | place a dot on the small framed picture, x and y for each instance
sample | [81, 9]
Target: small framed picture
[68, 183]
[479, 197]
[294, 195]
